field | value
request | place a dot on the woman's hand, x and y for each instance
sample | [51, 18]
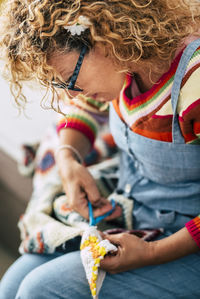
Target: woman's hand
[132, 253]
[78, 183]
[80, 187]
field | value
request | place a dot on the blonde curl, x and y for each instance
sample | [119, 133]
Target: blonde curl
[130, 31]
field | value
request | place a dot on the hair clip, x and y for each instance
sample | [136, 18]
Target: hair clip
[79, 27]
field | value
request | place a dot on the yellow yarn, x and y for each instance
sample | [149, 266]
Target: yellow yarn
[98, 252]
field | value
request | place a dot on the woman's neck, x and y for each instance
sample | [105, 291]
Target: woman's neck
[147, 76]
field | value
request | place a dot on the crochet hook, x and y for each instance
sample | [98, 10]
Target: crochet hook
[94, 221]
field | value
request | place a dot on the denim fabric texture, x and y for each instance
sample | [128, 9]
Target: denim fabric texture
[163, 177]
[63, 277]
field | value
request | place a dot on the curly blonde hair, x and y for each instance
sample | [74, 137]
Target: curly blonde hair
[129, 31]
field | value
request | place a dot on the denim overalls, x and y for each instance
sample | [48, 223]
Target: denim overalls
[163, 178]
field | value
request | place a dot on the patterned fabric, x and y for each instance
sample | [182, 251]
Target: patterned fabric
[83, 114]
[47, 162]
[27, 166]
[150, 114]
[80, 120]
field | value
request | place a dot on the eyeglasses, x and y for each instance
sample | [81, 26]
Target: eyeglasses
[70, 83]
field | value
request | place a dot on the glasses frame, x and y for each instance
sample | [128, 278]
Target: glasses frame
[71, 84]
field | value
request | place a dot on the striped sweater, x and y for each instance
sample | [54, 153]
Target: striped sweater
[148, 114]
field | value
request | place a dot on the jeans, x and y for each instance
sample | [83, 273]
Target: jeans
[62, 276]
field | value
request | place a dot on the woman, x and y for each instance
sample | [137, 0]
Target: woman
[143, 57]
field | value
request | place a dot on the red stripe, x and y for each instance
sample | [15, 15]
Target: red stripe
[60, 126]
[196, 127]
[189, 137]
[82, 127]
[144, 97]
[155, 116]
[193, 105]
[40, 242]
[193, 227]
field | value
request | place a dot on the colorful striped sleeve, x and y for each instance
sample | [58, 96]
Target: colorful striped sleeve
[193, 227]
[80, 120]
[83, 114]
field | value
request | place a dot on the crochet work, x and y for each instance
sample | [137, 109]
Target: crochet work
[93, 250]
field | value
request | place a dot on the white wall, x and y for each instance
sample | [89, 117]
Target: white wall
[17, 129]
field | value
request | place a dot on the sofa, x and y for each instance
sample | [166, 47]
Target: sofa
[15, 191]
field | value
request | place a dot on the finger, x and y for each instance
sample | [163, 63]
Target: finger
[115, 214]
[115, 239]
[108, 262]
[102, 208]
[111, 262]
[78, 201]
[93, 194]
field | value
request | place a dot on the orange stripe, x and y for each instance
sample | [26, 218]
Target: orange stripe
[197, 222]
[165, 136]
[108, 138]
[189, 137]
[197, 127]
[40, 243]
[81, 122]
[116, 107]
[62, 120]
[65, 208]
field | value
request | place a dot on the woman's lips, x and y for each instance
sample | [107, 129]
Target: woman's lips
[99, 98]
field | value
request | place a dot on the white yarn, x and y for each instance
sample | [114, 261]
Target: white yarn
[88, 260]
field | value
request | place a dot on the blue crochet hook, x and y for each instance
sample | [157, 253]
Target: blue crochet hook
[94, 221]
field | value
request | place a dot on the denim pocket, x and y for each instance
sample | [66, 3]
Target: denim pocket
[165, 217]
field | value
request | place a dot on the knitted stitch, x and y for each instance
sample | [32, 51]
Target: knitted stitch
[150, 114]
[93, 250]
[83, 114]
[193, 227]
[79, 120]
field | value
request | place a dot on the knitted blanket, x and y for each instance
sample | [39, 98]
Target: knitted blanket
[48, 221]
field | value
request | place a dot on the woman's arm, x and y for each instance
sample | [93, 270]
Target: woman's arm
[78, 183]
[173, 247]
[77, 140]
[135, 253]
